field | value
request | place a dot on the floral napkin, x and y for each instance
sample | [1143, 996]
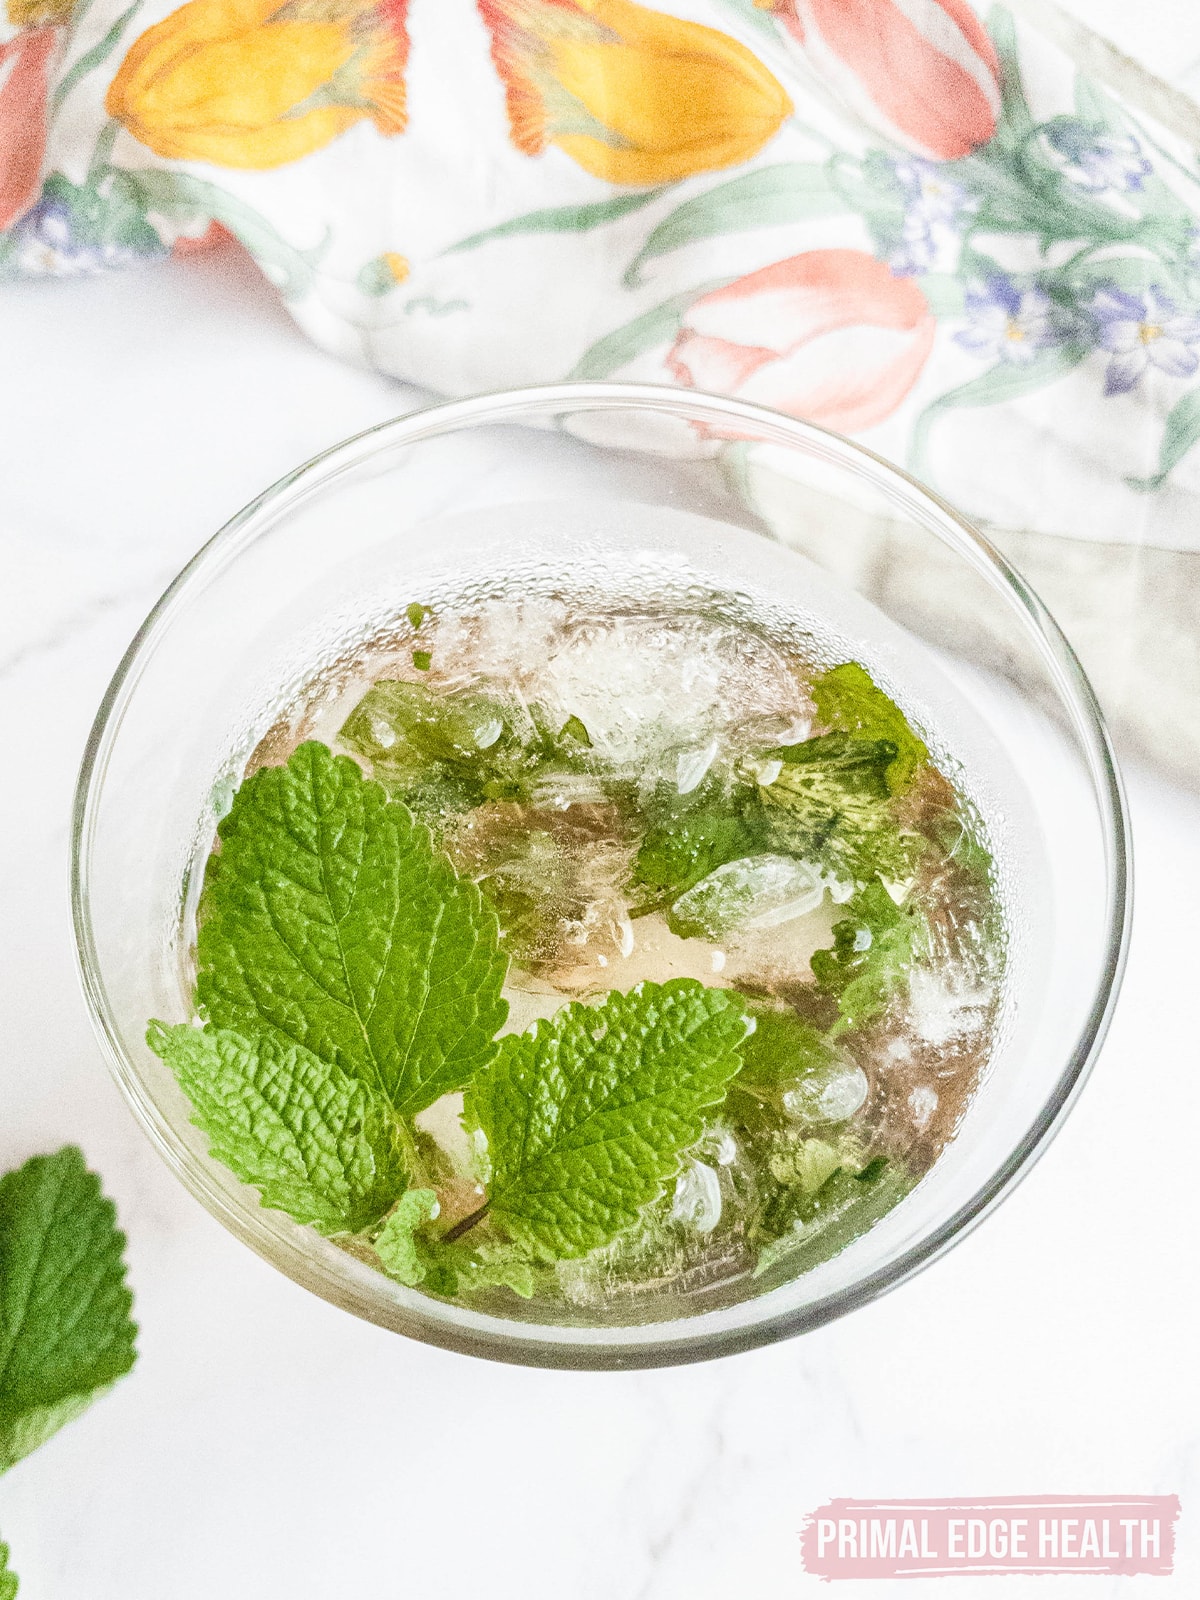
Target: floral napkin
[900, 218]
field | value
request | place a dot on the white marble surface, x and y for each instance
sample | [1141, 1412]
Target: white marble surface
[269, 1447]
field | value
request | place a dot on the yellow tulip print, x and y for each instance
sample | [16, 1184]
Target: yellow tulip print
[253, 83]
[633, 95]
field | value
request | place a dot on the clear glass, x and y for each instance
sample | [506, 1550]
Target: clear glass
[326, 558]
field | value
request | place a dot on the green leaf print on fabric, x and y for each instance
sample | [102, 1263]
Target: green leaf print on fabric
[1180, 433]
[768, 197]
[993, 387]
[560, 219]
[181, 198]
[659, 325]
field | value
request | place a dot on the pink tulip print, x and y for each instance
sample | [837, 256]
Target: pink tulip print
[832, 336]
[24, 73]
[923, 72]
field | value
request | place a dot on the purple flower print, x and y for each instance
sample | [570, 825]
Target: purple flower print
[1142, 331]
[1005, 323]
[934, 209]
[1096, 161]
[77, 229]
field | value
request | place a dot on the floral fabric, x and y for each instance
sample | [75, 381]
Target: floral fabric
[898, 218]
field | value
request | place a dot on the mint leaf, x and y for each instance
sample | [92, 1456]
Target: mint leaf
[829, 804]
[8, 1578]
[468, 1265]
[329, 920]
[395, 1245]
[313, 1141]
[676, 855]
[461, 749]
[874, 947]
[413, 1257]
[588, 1117]
[65, 1329]
[848, 701]
[782, 1048]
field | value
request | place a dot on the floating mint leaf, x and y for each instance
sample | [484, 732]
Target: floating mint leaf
[313, 1141]
[829, 804]
[395, 1245]
[677, 854]
[413, 1257]
[783, 1048]
[588, 1117]
[65, 1329]
[849, 701]
[874, 946]
[329, 919]
[416, 613]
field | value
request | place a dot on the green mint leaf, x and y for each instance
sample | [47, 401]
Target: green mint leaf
[416, 614]
[677, 855]
[405, 729]
[329, 919]
[422, 660]
[783, 1048]
[574, 729]
[65, 1329]
[829, 804]
[802, 1229]
[395, 1245]
[313, 1141]
[848, 701]
[410, 1254]
[468, 1265]
[808, 1164]
[8, 1578]
[874, 946]
[588, 1117]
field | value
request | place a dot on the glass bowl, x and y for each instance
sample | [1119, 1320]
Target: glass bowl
[328, 556]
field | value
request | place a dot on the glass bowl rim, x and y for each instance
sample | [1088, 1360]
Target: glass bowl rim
[508, 405]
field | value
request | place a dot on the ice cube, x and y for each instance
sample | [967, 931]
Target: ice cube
[947, 1003]
[922, 1103]
[831, 1094]
[649, 686]
[753, 892]
[697, 1197]
[691, 765]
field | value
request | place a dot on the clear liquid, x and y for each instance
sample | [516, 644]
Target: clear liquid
[680, 677]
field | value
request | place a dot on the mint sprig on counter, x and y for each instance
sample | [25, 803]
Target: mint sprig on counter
[329, 920]
[66, 1334]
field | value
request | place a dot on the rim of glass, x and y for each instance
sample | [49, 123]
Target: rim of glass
[513, 1342]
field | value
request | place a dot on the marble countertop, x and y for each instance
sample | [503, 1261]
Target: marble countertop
[269, 1446]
